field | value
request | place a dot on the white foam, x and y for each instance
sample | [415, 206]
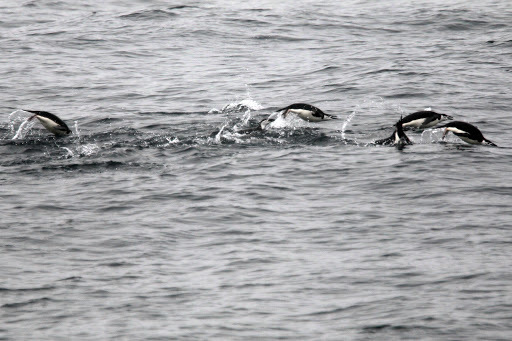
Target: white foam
[88, 149]
[69, 154]
[290, 121]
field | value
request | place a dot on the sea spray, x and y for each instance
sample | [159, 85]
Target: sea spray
[345, 123]
[23, 129]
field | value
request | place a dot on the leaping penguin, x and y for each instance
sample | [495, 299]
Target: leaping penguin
[466, 132]
[51, 122]
[307, 112]
[398, 138]
[424, 119]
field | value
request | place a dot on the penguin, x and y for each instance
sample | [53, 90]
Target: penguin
[262, 125]
[51, 122]
[307, 112]
[398, 138]
[466, 132]
[424, 119]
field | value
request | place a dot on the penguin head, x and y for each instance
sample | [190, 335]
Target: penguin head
[444, 117]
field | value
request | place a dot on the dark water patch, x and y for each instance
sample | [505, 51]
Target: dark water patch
[171, 113]
[72, 279]
[379, 328]
[48, 207]
[100, 166]
[106, 120]
[334, 311]
[43, 301]
[406, 95]
[282, 38]
[50, 33]
[116, 208]
[154, 14]
[118, 264]
[8, 290]
[463, 25]
[176, 7]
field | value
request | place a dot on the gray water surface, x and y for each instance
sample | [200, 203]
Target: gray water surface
[157, 220]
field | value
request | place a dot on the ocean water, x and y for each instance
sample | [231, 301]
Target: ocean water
[158, 220]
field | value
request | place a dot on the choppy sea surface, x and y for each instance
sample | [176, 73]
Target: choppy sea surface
[157, 219]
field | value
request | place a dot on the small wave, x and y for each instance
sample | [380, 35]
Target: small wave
[464, 25]
[99, 166]
[280, 38]
[42, 300]
[153, 14]
[27, 289]
[165, 113]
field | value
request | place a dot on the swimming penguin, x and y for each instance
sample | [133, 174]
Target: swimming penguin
[466, 132]
[307, 112]
[51, 122]
[398, 138]
[424, 119]
[262, 125]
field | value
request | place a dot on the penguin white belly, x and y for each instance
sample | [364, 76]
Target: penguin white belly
[306, 115]
[468, 140]
[416, 123]
[397, 138]
[431, 123]
[456, 130]
[51, 126]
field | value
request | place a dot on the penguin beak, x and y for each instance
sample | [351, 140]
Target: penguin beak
[448, 117]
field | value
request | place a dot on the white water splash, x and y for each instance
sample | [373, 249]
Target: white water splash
[246, 117]
[77, 132]
[346, 122]
[251, 104]
[243, 105]
[88, 149]
[432, 136]
[290, 121]
[23, 129]
[219, 134]
[70, 153]
[19, 116]
[13, 118]
[172, 141]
